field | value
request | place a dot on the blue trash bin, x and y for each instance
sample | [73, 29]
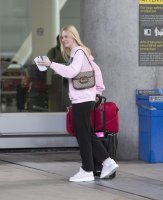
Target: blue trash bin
[150, 110]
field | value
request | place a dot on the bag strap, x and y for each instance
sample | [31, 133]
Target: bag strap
[86, 57]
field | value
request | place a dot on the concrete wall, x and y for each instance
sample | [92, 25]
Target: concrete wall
[110, 29]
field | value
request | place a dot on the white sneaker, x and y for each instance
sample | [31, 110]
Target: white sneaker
[109, 167]
[82, 175]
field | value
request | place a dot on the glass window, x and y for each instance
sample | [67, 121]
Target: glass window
[23, 87]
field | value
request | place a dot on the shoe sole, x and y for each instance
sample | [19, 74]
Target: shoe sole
[81, 180]
[110, 171]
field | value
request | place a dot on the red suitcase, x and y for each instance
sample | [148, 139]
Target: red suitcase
[69, 125]
[106, 118]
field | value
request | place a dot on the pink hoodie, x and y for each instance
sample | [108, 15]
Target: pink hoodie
[80, 64]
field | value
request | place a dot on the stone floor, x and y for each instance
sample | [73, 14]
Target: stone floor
[43, 175]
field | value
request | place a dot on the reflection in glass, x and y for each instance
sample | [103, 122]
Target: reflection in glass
[23, 87]
[15, 26]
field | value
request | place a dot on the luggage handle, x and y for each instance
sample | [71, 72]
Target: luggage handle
[103, 112]
[104, 116]
[100, 98]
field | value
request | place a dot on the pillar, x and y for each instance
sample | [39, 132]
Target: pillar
[45, 28]
[110, 29]
[45, 25]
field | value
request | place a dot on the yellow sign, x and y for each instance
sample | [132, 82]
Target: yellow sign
[151, 2]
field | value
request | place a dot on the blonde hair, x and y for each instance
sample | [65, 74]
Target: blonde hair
[74, 33]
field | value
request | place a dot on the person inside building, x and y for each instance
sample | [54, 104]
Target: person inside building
[83, 102]
[22, 90]
[54, 54]
[56, 101]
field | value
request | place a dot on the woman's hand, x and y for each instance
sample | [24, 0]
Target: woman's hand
[98, 97]
[98, 100]
[44, 61]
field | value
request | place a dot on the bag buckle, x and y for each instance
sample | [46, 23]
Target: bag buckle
[83, 79]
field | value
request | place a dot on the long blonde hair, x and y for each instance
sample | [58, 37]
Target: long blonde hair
[74, 33]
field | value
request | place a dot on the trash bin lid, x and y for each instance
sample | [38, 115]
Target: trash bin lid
[156, 91]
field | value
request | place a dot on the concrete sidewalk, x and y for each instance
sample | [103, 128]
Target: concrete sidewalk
[43, 175]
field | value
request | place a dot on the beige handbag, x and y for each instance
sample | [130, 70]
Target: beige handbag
[84, 80]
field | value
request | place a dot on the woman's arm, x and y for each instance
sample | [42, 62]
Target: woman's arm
[66, 71]
[69, 71]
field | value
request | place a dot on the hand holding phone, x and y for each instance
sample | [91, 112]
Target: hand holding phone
[40, 67]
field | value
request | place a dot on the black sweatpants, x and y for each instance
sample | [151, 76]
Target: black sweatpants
[90, 145]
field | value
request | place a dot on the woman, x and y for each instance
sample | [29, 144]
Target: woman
[83, 102]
